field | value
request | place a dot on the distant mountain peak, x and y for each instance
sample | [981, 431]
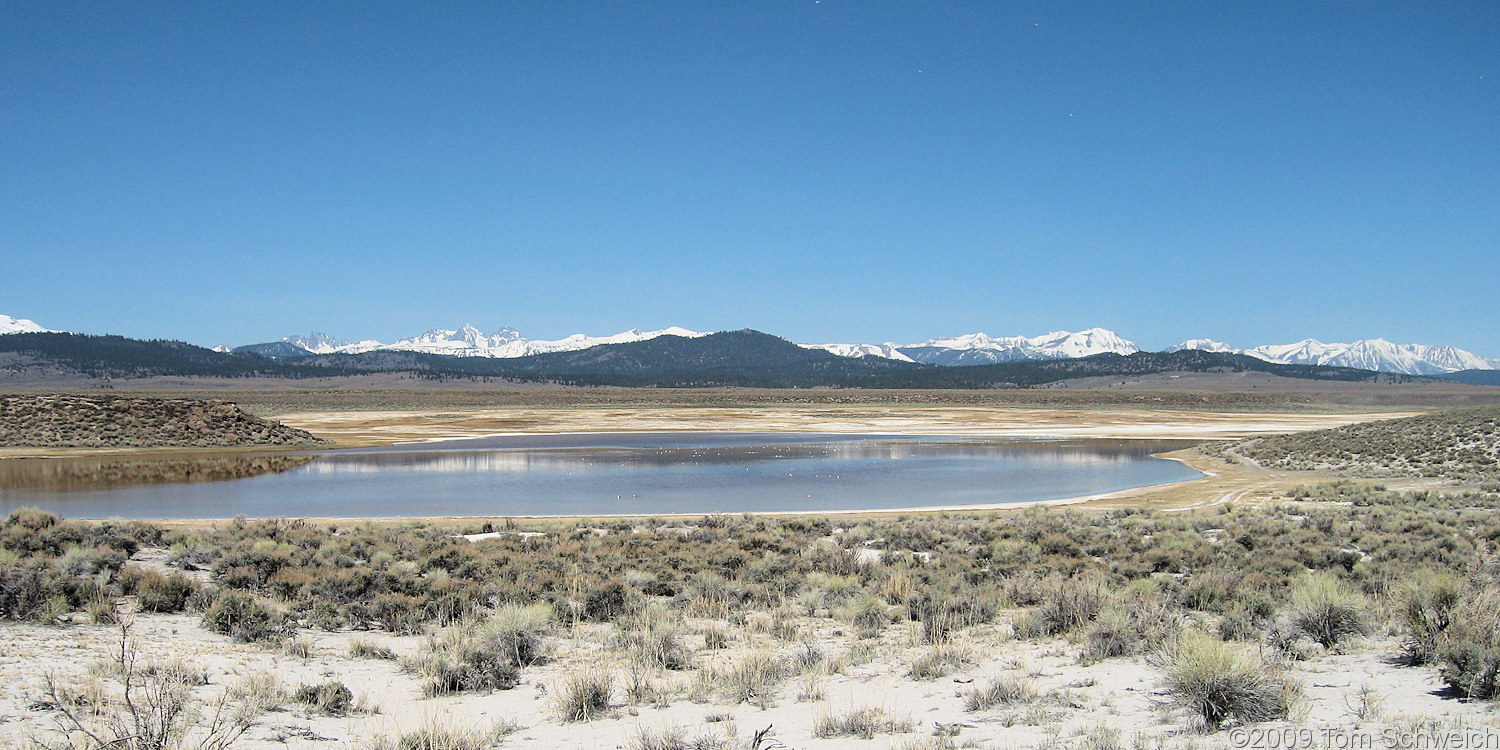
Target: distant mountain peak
[322, 343]
[1202, 345]
[20, 325]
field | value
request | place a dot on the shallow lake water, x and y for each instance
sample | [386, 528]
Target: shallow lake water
[598, 474]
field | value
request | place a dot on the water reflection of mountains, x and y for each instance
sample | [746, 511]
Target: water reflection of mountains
[1061, 453]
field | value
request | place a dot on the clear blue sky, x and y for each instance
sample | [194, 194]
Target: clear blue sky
[827, 171]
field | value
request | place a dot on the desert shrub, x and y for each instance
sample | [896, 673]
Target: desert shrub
[33, 590]
[864, 723]
[1218, 684]
[1246, 618]
[607, 603]
[470, 669]
[31, 519]
[243, 618]
[330, 697]
[398, 613]
[1073, 603]
[80, 561]
[326, 616]
[1136, 623]
[1213, 589]
[1469, 648]
[1326, 610]
[486, 655]
[583, 695]
[155, 592]
[1426, 610]
[159, 710]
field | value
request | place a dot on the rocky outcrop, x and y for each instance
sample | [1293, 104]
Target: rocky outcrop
[78, 421]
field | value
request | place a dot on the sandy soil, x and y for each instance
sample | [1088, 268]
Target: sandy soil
[364, 428]
[1074, 701]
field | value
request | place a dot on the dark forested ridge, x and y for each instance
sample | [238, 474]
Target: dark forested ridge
[735, 358]
[1474, 377]
[120, 357]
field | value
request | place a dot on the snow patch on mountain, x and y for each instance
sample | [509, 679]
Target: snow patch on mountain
[20, 325]
[859, 351]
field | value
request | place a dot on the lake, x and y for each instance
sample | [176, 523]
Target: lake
[593, 474]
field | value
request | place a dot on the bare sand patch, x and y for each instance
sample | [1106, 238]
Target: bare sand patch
[1069, 700]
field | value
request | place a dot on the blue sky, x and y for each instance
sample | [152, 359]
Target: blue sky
[826, 171]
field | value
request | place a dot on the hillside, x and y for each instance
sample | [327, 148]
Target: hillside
[1459, 444]
[1034, 373]
[1474, 377]
[119, 357]
[67, 421]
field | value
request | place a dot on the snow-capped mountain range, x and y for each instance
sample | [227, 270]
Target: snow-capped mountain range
[469, 341]
[976, 348]
[981, 349]
[1367, 354]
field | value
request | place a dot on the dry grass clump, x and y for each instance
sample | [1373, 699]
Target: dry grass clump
[364, 648]
[438, 735]
[583, 695]
[938, 661]
[864, 723]
[1220, 685]
[679, 738]
[1324, 609]
[1006, 691]
[655, 639]
[754, 678]
[867, 612]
